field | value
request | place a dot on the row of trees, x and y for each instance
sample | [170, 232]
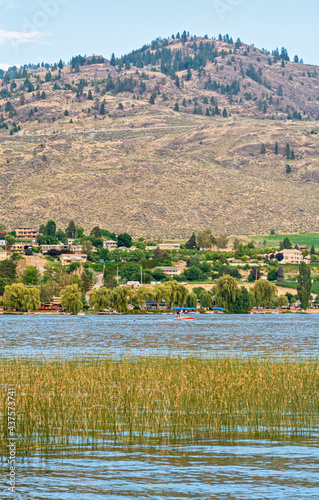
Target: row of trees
[206, 240]
[288, 153]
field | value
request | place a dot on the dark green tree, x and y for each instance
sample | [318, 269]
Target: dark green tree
[191, 243]
[110, 281]
[263, 149]
[288, 169]
[90, 95]
[193, 273]
[280, 274]
[176, 106]
[276, 148]
[50, 229]
[242, 303]
[102, 109]
[60, 64]
[8, 273]
[312, 250]
[124, 240]
[286, 243]
[157, 253]
[304, 285]
[96, 231]
[254, 275]
[85, 281]
[225, 113]
[70, 230]
[272, 274]
[288, 151]
[61, 236]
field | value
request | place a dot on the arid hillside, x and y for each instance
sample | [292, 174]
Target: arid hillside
[165, 140]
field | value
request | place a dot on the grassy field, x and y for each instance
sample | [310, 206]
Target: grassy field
[149, 399]
[296, 239]
[293, 284]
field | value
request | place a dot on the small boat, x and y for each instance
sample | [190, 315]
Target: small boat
[180, 313]
[183, 318]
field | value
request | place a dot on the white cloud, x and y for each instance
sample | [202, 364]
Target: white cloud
[5, 66]
[16, 38]
[8, 4]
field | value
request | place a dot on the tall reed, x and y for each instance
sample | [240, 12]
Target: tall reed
[151, 398]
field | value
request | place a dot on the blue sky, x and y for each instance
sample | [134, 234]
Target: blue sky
[47, 30]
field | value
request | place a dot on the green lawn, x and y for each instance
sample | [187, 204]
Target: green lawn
[296, 239]
[293, 284]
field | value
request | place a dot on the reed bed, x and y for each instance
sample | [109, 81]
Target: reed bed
[92, 400]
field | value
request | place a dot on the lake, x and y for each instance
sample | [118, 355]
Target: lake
[208, 469]
[54, 335]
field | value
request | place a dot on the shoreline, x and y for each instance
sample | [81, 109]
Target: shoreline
[152, 313]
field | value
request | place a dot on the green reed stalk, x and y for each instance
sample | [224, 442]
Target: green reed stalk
[147, 398]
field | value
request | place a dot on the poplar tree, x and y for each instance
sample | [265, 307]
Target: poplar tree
[304, 285]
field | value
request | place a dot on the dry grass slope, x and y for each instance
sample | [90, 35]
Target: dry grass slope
[154, 171]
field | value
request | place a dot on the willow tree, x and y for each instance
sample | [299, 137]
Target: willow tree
[191, 300]
[21, 298]
[100, 299]
[15, 296]
[264, 292]
[120, 297]
[32, 300]
[226, 292]
[160, 293]
[141, 295]
[176, 293]
[71, 299]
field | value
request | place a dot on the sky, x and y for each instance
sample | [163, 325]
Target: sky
[33, 31]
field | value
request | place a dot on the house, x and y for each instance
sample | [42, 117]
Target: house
[65, 258]
[60, 247]
[164, 246]
[170, 246]
[170, 270]
[17, 247]
[109, 244]
[2, 243]
[291, 256]
[76, 248]
[26, 232]
[151, 305]
[3, 254]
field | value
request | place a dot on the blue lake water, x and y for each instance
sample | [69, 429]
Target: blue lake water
[280, 334]
[243, 469]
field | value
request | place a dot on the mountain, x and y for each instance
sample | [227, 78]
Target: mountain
[177, 136]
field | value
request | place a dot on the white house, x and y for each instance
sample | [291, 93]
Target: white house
[3, 254]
